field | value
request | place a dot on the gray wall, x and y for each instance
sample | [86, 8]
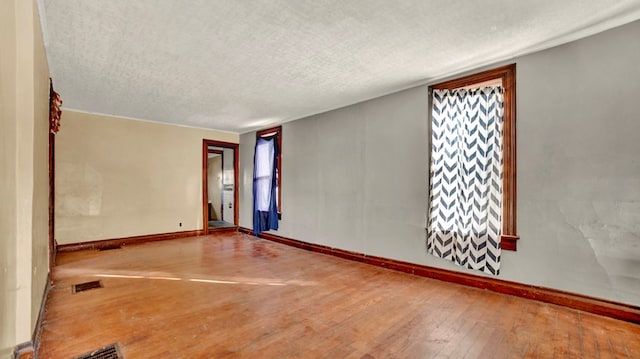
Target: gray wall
[357, 178]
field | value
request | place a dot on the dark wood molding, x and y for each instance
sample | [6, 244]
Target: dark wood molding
[205, 187]
[277, 132]
[117, 242]
[52, 198]
[507, 75]
[585, 303]
[236, 179]
[477, 78]
[37, 332]
[205, 182]
[24, 351]
[223, 229]
[509, 243]
[55, 112]
[221, 153]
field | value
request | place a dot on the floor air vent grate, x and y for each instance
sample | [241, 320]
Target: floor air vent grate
[109, 248]
[109, 352]
[77, 288]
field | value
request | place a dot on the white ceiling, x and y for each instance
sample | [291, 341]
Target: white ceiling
[241, 65]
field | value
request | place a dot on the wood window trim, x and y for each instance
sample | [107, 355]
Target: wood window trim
[277, 132]
[507, 74]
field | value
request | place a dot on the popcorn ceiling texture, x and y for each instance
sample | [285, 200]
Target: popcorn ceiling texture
[242, 65]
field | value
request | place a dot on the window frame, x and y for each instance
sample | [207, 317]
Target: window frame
[507, 74]
[277, 133]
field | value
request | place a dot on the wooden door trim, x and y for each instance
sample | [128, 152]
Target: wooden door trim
[221, 153]
[205, 186]
[52, 198]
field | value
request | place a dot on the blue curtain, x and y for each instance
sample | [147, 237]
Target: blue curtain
[265, 208]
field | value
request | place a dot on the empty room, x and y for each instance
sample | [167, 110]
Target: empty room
[319, 179]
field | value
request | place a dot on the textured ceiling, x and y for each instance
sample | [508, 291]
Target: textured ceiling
[242, 65]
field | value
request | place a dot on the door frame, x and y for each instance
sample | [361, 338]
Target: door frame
[221, 153]
[205, 183]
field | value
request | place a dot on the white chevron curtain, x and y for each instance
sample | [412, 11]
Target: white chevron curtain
[465, 212]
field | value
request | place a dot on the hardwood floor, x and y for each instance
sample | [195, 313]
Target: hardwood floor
[232, 295]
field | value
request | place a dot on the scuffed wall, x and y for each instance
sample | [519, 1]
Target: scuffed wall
[578, 165]
[32, 179]
[24, 94]
[40, 215]
[356, 178]
[118, 178]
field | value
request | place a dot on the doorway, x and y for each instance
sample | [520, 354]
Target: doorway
[219, 184]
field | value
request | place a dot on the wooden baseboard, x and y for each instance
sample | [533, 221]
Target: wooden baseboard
[581, 302]
[24, 351]
[222, 230]
[37, 332]
[117, 242]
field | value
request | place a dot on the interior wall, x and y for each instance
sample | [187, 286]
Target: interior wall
[228, 179]
[24, 94]
[25, 129]
[357, 178]
[214, 195]
[8, 215]
[578, 167]
[245, 176]
[118, 178]
[40, 214]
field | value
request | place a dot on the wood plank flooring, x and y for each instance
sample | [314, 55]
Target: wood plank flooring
[233, 295]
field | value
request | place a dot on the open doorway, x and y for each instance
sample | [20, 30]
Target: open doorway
[215, 171]
[219, 179]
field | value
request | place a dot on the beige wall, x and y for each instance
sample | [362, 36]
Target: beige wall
[8, 264]
[24, 78]
[40, 214]
[117, 177]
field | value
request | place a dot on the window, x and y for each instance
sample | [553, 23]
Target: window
[276, 133]
[472, 214]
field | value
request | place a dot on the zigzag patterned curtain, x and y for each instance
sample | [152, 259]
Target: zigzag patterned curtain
[465, 192]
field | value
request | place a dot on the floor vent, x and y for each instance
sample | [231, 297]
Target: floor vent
[109, 352]
[108, 248]
[77, 288]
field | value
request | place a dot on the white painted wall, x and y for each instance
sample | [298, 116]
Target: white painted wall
[357, 178]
